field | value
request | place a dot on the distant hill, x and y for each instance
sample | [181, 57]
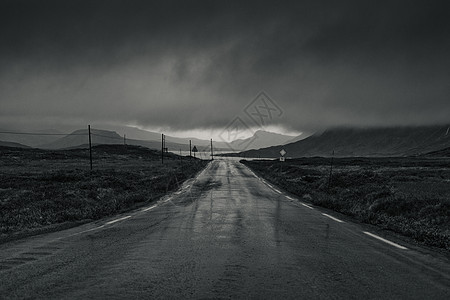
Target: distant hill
[399, 141]
[12, 144]
[30, 140]
[80, 139]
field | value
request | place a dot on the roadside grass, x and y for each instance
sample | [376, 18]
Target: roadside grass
[410, 196]
[40, 188]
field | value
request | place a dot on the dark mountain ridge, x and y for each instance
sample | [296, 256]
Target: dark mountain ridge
[13, 145]
[80, 139]
[346, 142]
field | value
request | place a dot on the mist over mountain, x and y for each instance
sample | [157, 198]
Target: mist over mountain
[260, 139]
[145, 135]
[345, 142]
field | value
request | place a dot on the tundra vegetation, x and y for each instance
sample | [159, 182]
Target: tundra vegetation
[410, 196]
[43, 190]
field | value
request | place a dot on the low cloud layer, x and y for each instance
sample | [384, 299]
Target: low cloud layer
[197, 64]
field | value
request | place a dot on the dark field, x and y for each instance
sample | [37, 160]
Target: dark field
[40, 189]
[410, 196]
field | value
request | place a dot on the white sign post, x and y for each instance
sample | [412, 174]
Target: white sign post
[282, 152]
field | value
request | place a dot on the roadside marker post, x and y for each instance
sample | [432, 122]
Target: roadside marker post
[162, 148]
[282, 159]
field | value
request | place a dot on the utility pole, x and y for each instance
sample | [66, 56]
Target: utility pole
[162, 148]
[90, 146]
[124, 139]
[212, 154]
[190, 149]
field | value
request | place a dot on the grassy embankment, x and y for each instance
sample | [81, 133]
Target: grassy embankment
[410, 196]
[42, 189]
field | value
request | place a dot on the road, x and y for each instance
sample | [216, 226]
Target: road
[225, 234]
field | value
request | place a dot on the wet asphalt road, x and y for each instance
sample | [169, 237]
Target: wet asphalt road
[225, 234]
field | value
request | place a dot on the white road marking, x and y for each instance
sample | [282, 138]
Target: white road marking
[333, 218]
[149, 208]
[290, 198]
[84, 231]
[384, 240]
[254, 175]
[117, 220]
[168, 199]
[306, 205]
[277, 191]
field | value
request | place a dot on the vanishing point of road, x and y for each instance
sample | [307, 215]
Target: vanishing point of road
[225, 234]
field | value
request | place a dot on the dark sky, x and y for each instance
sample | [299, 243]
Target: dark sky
[184, 65]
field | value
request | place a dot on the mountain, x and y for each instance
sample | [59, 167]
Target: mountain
[135, 136]
[300, 137]
[12, 144]
[387, 141]
[260, 139]
[33, 140]
[80, 139]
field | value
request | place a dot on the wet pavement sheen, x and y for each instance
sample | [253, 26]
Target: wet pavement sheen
[225, 234]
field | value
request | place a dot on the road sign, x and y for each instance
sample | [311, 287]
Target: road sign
[282, 152]
[194, 149]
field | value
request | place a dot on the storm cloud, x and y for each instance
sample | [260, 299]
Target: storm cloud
[197, 64]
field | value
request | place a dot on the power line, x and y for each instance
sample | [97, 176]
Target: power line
[59, 134]
[105, 136]
[35, 133]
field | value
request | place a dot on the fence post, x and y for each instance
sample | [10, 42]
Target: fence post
[212, 154]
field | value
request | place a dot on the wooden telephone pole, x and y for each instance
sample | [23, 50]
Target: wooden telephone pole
[162, 148]
[212, 154]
